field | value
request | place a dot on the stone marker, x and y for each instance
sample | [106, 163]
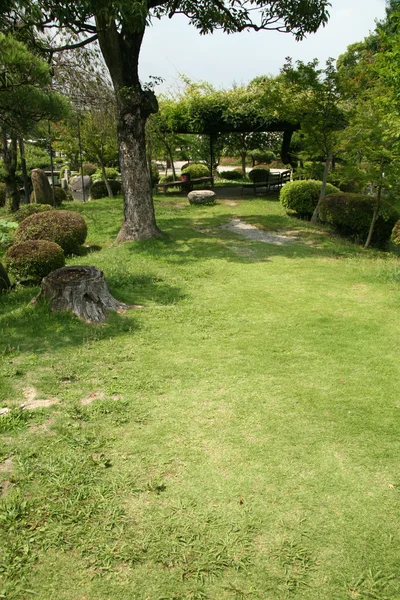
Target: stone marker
[202, 197]
[75, 184]
[41, 188]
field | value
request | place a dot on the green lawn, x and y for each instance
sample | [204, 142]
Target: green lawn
[237, 438]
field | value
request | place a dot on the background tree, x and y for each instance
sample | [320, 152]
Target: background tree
[25, 99]
[316, 99]
[119, 26]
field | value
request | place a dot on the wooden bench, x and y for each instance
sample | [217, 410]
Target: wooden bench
[273, 182]
[186, 186]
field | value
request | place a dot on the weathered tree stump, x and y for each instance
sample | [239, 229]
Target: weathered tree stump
[82, 290]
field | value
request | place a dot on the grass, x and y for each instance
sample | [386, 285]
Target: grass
[238, 438]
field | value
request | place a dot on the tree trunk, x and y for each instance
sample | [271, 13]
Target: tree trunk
[82, 290]
[243, 157]
[10, 152]
[120, 48]
[103, 172]
[374, 217]
[24, 171]
[323, 188]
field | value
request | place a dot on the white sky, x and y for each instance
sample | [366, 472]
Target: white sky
[172, 47]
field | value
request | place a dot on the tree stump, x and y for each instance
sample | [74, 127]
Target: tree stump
[82, 290]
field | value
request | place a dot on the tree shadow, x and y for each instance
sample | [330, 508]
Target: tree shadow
[194, 239]
[33, 327]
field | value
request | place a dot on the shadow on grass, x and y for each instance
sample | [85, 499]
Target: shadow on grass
[194, 239]
[34, 327]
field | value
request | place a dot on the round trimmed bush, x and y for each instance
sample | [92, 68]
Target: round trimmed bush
[27, 210]
[2, 194]
[302, 197]
[351, 215]
[396, 233]
[258, 175]
[89, 169]
[64, 227]
[196, 170]
[34, 259]
[98, 189]
[231, 175]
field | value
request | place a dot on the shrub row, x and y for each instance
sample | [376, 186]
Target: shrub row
[235, 175]
[348, 213]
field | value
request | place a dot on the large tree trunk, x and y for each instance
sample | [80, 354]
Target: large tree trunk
[10, 154]
[121, 49]
[323, 188]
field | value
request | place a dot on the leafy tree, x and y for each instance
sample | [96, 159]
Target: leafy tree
[316, 99]
[119, 26]
[25, 99]
[240, 144]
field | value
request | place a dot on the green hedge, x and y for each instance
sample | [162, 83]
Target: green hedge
[301, 197]
[33, 259]
[196, 170]
[231, 175]
[27, 210]
[98, 189]
[351, 215]
[64, 227]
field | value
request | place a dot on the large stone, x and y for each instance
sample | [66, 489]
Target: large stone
[202, 197]
[41, 188]
[75, 183]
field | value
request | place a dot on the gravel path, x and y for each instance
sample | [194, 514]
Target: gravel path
[257, 235]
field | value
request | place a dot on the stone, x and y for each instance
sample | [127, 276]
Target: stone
[41, 188]
[75, 183]
[202, 197]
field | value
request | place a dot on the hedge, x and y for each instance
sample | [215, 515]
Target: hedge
[351, 215]
[98, 189]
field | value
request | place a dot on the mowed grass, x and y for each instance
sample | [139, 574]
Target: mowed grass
[236, 438]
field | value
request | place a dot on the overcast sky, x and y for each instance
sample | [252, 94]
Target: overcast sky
[172, 47]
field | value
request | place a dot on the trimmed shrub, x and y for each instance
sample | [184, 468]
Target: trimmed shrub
[2, 194]
[89, 169]
[231, 175]
[262, 156]
[64, 227]
[4, 280]
[30, 209]
[301, 197]
[33, 259]
[98, 189]
[396, 234]
[351, 215]
[258, 175]
[196, 170]
[111, 173]
[61, 196]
